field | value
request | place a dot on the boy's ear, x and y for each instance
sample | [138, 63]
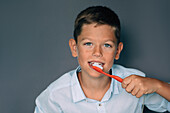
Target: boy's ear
[119, 49]
[73, 47]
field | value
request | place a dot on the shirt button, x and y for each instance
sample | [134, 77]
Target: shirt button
[100, 104]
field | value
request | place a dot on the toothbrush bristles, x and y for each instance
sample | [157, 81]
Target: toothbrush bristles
[98, 65]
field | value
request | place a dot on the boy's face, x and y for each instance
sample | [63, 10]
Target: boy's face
[96, 43]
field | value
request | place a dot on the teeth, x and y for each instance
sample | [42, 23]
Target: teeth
[99, 65]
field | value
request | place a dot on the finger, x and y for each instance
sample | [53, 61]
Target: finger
[146, 93]
[124, 85]
[139, 93]
[130, 87]
[135, 91]
[126, 81]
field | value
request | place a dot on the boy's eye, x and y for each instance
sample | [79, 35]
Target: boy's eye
[88, 44]
[107, 45]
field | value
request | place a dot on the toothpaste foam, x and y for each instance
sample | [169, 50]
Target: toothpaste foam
[98, 65]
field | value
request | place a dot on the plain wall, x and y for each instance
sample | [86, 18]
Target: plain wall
[34, 47]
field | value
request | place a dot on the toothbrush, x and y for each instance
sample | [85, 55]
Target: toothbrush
[99, 69]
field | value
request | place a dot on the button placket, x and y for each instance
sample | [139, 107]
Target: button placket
[101, 108]
[100, 104]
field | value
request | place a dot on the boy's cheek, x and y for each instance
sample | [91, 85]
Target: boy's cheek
[109, 65]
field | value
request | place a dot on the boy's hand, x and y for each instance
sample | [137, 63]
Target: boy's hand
[137, 85]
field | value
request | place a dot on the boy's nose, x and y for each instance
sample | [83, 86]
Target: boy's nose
[97, 52]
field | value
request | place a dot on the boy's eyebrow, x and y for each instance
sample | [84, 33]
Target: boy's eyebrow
[111, 41]
[85, 38]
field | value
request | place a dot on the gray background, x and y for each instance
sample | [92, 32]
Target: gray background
[34, 47]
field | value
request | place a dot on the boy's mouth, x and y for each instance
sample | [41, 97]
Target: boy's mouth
[96, 63]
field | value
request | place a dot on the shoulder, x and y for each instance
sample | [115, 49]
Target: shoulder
[124, 71]
[63, 81]
[57, 88]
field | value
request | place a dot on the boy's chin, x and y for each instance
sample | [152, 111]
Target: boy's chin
[95, 74]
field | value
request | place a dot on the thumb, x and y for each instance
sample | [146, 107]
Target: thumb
[126, 81]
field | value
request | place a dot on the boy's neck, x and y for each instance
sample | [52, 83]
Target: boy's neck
[94, 88]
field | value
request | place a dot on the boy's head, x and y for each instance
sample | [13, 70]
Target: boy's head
[97, 39]
[99, 15]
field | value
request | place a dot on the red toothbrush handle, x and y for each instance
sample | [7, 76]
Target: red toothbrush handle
[115, 77]
[112, 76]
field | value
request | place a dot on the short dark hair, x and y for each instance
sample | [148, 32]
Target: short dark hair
[97, 14]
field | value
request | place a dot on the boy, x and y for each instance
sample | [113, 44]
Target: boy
[84, 90]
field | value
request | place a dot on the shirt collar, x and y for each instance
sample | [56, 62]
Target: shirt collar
[78, 94]
[116, 85]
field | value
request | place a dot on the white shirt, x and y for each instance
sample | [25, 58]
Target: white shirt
[65, 95]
